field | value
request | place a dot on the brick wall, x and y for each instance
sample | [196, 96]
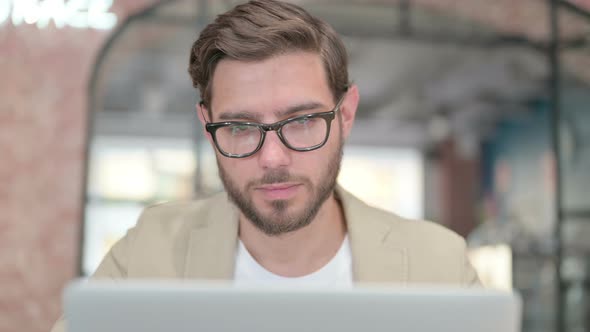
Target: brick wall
[43, 89]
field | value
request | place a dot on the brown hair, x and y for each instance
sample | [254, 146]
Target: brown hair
[261, 29]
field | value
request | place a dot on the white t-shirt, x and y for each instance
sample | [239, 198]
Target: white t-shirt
[336, 273]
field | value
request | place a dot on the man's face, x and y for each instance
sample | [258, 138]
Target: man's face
[279, 190]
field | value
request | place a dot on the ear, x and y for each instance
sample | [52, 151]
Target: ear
[348, 109]
[202, 113]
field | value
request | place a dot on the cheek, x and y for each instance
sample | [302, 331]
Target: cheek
[311, 164]
[334, 140]
[239, 170]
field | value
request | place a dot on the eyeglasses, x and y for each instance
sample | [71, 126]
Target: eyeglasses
[236, 139]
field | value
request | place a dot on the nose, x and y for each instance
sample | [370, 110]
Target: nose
[273, 154]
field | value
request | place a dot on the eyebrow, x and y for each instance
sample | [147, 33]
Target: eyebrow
[280, 114]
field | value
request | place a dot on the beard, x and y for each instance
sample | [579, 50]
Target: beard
[281, 219]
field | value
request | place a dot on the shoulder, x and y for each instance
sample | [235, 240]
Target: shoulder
[179, 215]
[420, 239]
[431, 252]
[180, 208]
[408, 231]
[425, 234]
[158, 245]
[435, 254]
[416, 232]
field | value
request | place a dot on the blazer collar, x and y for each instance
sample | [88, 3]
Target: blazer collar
[377, 255]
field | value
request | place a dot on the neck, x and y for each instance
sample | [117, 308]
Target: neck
[300, 252]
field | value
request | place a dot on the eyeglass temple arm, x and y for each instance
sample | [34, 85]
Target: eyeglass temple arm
[202, 104]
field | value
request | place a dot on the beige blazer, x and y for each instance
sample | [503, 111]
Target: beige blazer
[198, 239]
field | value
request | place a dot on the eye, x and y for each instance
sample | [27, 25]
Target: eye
[239, 130]
[303, 121]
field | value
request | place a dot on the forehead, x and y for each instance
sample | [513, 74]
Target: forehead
[270, 84]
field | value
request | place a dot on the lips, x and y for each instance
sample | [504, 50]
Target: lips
[278, 190]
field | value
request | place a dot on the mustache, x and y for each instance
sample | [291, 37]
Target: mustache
[277, 176]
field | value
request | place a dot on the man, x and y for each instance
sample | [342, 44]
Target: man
[277, 106]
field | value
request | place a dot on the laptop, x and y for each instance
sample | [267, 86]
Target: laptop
[180, 306]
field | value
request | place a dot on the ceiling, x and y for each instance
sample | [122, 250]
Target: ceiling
[435, 68]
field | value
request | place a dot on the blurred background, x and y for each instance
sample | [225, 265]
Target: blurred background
[474, 114]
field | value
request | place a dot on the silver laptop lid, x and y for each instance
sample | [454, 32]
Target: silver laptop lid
[150, 306]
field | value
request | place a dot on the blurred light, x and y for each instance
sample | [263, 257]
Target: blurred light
[493, 264]
[126, 175]
[4, 11]
[387, 178]
[80, 14]
[175, 161]
[99, 16]
[19, 10]
[55, 9]
[32, 14]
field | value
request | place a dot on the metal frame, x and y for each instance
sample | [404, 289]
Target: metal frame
[554, 56]
[555, 121]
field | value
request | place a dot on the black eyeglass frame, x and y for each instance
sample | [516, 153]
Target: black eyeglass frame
[212, 128]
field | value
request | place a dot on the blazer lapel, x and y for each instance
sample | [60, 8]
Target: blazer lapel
[212, 243]
[376, 255]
